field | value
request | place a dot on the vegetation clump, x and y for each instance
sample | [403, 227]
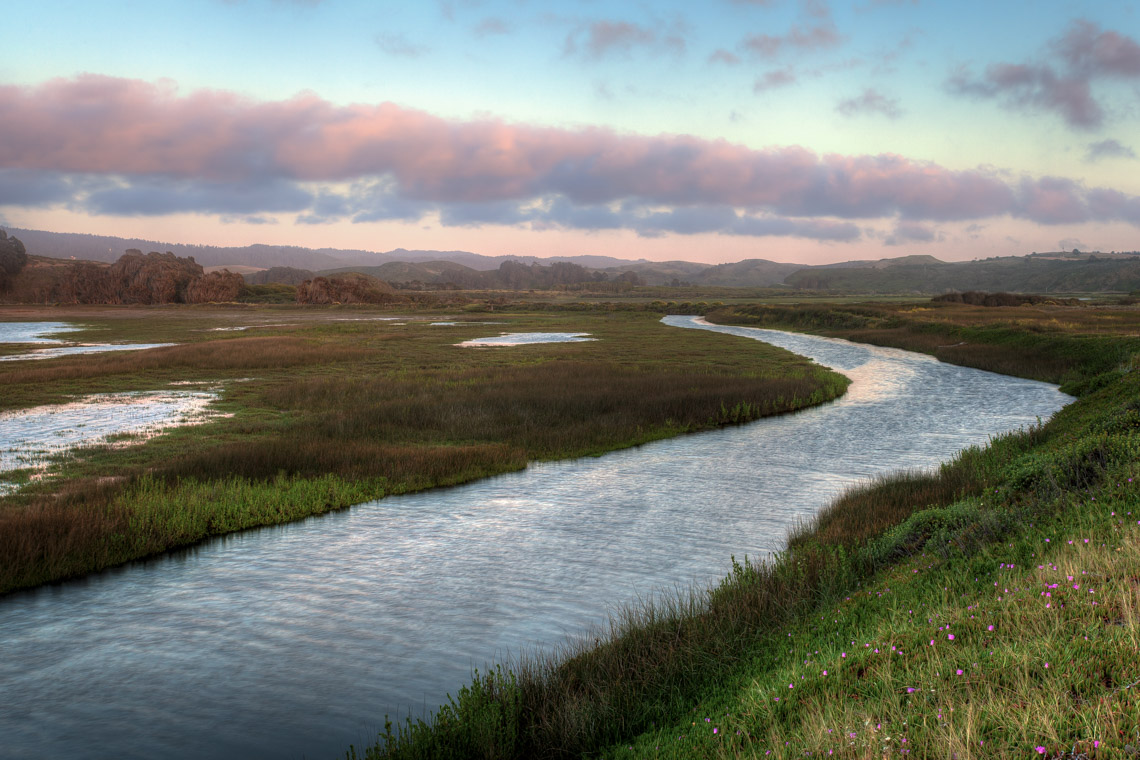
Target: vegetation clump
[345, 288]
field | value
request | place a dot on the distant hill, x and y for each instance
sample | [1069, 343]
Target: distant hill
[752, 272]
[1019, 274]
[280, 276]
[67, 245]
[1047, 272]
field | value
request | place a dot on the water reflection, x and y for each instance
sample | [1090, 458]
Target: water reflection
[91, 348]
[37, 332]
[29, 437]
[33, 332]
[524, 339]
[296, 640]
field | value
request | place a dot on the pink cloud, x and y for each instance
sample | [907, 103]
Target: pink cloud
[136, 131]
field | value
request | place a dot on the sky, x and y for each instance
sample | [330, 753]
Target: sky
[811, 131]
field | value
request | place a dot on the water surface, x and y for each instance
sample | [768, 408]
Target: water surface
[30, 437]
[296, 640]
[526, 339]
[37, 332]
[34, 332]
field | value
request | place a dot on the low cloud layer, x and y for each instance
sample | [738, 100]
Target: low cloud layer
[126, 147]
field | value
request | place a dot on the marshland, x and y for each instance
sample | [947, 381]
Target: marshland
[494, 379]
[322, 409]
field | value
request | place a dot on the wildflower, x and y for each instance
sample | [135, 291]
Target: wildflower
[990, 628]
[950, 636]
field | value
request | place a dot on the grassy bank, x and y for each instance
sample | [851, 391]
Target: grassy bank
[331, 407]
[988, 609]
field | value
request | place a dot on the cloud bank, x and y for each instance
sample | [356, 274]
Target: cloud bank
[120, 146]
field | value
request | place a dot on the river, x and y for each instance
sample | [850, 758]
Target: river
[296, 640]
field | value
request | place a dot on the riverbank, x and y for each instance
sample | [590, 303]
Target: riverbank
[989, 609]
[325, 408]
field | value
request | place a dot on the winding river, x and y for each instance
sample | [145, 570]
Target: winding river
[295, 640]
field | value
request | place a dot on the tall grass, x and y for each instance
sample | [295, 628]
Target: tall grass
[95, 525]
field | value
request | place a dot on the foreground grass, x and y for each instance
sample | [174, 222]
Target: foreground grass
[329, 408]
[875, 623]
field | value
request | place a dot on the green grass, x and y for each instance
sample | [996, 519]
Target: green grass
[738, 670]
[100, 526]
[313, 393]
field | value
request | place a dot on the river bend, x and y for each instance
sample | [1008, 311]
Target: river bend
[295, 640]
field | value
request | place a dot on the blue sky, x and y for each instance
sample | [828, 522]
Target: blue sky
[1032, 104]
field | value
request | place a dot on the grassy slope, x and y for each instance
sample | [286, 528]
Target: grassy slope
[843, 645]
[339, 412]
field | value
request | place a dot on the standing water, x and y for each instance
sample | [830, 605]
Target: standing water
[296, 640]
